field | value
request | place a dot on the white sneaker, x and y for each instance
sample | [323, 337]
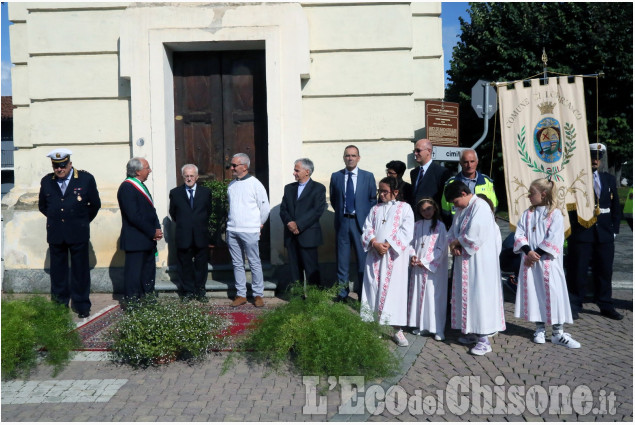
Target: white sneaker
[481, 349]
[539, 336]
[468, 339]
[400, 339]
[439, 336]
[566, 340]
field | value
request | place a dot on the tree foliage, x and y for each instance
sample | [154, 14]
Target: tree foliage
[504, 42]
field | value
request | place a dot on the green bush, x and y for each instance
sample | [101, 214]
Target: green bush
[321, 338]
[32, 324]
[155, 330]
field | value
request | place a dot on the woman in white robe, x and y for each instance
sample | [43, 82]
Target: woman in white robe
[386, 239]
[542, 288]
[477, 295]
[429, 272]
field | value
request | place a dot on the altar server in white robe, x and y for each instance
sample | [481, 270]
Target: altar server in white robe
[477, 296]
[542, 289]
[429, 272]
[386, 238]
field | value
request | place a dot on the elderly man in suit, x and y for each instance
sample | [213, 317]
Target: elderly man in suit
[140, 230]
[428, 179]
[595, 245]
[302, 205]
[190, 208]
[353, 192]
[70, 201]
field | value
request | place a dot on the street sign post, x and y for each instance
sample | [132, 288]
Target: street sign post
[480, 91]
[447, 154]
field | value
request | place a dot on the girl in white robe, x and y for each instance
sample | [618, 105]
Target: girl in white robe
[386, 239]
[477, 295]
[542, 289]
[428, 272]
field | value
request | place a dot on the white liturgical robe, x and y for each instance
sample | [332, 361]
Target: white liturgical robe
[542, 289]
[477, 295]
[385, 290]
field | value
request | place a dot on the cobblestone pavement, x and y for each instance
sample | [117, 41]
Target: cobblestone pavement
[518, 371]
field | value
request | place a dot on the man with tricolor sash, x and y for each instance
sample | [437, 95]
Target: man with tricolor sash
[140, 230]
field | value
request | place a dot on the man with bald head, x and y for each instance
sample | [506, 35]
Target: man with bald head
[477, 183]
[428, 179]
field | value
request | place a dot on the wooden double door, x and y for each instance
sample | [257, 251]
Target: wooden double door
[220, 108]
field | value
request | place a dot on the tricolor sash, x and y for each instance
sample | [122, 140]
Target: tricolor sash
[141, 188]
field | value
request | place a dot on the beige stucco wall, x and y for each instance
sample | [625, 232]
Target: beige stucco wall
[96, 78]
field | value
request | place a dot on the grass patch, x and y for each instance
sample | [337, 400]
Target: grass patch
[159, 330]
[321, 338]
[31, 324]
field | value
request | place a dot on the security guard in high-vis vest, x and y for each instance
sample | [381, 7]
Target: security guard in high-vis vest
[628, 209]
[477, 182]
[70, 201]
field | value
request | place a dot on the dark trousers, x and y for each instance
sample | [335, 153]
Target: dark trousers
[139, 273]
[193, 270]
[79, 289]
[347, 235]
[303, 260]
[600, 257]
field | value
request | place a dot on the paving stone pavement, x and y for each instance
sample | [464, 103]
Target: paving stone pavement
[518, 371]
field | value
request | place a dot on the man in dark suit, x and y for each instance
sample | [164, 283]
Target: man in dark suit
[428, 179]
[595, 245]
[70, 201]
[302, 205]
[190, 208]
[140, 230]
[353, 192]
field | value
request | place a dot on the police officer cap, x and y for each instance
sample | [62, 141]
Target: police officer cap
[60, 156]
[597, 150]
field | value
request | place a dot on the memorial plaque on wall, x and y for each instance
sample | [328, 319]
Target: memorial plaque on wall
[442, 122]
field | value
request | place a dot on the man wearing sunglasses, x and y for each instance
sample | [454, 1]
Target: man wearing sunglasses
[70, 201]
[248, 212]
[428, 179]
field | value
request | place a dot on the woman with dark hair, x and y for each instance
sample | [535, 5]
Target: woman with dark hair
[396, 169]
[386, 238]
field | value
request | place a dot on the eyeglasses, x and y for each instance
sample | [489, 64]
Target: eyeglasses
[421, 150]
[235, 165]
[56, 166]
[382, 192]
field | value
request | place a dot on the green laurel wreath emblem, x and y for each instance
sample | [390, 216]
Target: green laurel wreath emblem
[553, 173]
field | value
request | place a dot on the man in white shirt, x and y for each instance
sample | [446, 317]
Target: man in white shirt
[248, 212]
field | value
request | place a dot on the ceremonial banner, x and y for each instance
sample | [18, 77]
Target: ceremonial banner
[544, 135]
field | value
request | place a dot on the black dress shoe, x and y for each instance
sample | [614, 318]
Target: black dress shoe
[339, 299]
[83, 315]
[612, 314]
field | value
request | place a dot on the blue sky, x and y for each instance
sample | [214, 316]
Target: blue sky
[450, 12]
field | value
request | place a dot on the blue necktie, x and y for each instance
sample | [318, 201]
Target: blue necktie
[191, 191]
[419, 178]
[350, 194]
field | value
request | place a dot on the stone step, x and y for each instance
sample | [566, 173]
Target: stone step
[217, 289]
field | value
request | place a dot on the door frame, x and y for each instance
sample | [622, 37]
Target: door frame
[148, 39]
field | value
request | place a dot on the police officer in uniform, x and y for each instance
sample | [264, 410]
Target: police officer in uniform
[70, 201]
[595, 245]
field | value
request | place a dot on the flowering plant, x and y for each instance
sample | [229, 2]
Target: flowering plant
[154, 330]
